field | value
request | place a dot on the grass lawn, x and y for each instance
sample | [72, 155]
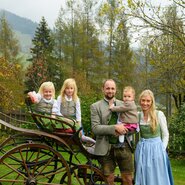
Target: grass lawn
[178, 170]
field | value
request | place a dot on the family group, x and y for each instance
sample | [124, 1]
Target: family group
[113, 123]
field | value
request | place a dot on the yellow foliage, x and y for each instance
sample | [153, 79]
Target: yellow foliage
[1, 74]
[18, 66]
[10, 86]
[131, 4]
[105, 8]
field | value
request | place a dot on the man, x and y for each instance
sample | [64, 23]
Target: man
[104, 131]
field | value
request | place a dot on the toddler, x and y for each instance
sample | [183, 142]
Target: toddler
[127, 112]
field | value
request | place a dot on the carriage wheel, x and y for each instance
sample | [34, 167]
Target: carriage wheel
[85, 175]
[16, 140]
[33, 164]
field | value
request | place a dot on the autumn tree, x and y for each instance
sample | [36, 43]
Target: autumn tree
[11, 74]
[169, 63]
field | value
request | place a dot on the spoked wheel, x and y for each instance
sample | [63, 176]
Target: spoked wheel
[33, 164]
[85, 175]
[16, 140]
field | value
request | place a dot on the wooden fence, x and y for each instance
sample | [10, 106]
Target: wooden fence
[15, 118]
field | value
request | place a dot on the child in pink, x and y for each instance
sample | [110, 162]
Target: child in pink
[127, 112]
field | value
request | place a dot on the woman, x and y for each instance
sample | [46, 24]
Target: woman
[151, 159]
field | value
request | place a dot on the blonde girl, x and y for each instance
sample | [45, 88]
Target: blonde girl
[45, 98]
[68, 102]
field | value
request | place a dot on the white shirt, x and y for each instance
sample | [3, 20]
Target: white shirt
[56, 108]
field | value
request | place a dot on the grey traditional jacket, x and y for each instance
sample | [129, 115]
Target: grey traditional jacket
[128, 112]
[100, 117]
[44, 106]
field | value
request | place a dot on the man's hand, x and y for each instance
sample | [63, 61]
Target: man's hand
[120, 129]
[111, 106]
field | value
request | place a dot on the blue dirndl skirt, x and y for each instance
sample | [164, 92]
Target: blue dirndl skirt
[152, 165]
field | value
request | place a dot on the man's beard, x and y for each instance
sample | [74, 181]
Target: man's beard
[109, 97]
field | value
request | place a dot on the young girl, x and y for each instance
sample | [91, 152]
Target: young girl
[68, 105]
[44, 99]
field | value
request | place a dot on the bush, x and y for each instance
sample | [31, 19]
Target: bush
[86, 102]
[177, 131]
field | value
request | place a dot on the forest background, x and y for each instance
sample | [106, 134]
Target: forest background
[91, 42]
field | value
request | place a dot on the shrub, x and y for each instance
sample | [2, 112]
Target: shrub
[86, 102]
[177, 131]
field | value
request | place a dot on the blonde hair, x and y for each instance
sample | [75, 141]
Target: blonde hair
[70, 82]
[129, 88]
[47, 85]
[152, 111]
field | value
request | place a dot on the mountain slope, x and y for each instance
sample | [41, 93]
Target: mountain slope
[18, 23]
[23, 28]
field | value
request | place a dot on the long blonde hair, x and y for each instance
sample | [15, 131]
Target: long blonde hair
[152, 111]
[70, 82]
[47, 85]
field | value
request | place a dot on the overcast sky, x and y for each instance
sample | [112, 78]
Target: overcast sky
[34, 9]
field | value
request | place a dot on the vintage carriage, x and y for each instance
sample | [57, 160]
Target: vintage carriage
[48, 156]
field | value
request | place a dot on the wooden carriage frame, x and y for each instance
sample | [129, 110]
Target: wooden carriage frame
[41, 156]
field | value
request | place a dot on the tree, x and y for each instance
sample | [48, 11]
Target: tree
[166, 46]
[166, 58]
[41, 68]
[119, 55]
[91, 54]
[77, 46]
[109, 13]
[123, 65]
[11, 74]
[148, 15]
[11, 86]
[42, 42]
[9, 45]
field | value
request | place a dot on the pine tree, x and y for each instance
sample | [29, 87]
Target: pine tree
[42, 64]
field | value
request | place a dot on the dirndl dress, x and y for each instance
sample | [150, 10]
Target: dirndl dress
[152, 165]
